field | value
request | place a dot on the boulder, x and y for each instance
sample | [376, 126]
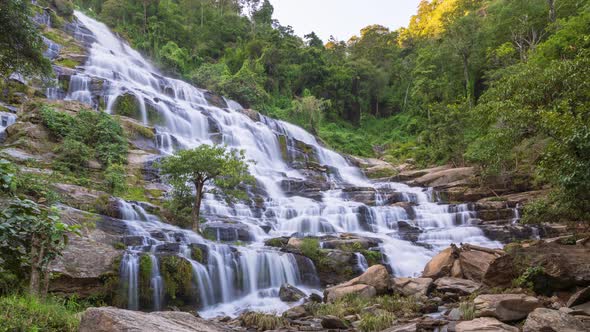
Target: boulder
[475, 263]
[363, 291]
[580, 297]
[375, 280]
[564, 266]
[445, 177]
[505, 307]
[333, 322]
[227, 232]
[290, 293]
[296, 312]
[108, 319]
[407, 231]
[500, 272]
[456, 285]
[407, 175]
[486, 324]
[417, 287]
[441, 264]
[543, 319]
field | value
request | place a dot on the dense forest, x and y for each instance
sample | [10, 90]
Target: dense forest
[501, 84]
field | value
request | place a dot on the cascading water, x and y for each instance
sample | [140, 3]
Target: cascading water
[231, 278]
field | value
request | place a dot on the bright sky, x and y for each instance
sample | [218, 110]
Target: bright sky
[342, 18]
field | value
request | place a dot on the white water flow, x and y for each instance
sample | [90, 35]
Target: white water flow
[234, 278]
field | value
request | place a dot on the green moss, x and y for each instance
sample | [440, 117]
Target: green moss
[145, 274]
[119, 246]
[27, 313]
[177, 275]
[135, 194]
[68, 63]
[197, 254]
[127, 105]
[276, 242]
[283, 145]
[372, 257]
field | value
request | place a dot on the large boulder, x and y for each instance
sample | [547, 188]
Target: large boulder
[456, 285]
[363, 291]
[486, 324]
[417, 287]
[475, 263]
[446, 177]
[290, 293]
[505, 307]
[333, 323]
[441, 264]
[110, 319]
[375, 280]
[543, 319]
[563, 266]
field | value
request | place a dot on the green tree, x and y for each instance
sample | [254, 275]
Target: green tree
[21, 47]
[310, 109]
[32, 235]
[205, 165]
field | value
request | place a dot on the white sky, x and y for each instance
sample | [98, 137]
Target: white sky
[342, 18]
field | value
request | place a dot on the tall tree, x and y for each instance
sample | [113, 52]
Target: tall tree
[205, 165]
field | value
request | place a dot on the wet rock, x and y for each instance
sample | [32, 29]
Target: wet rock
[505, 307]
[227, 232]
[456, 285]
[314, 297]
[110, 319]
[484, 324]
[407, 231]
[214, 99]
[417, 287]
[307, 271]
[333, 322]
[543, 319]
[290, 293]
[348, 241]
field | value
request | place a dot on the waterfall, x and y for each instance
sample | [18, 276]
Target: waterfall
[228, 276]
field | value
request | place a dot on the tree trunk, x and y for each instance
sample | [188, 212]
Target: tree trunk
[37, 253]
[196, 213]
[466, 76]
[45, 288]
[552, 14]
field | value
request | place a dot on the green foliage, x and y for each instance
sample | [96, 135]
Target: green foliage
[21, 47]
[226, 169]
[115, 179]
[27, 313]
[467, 309]
[372, 257]
[127, 105]
[31, 236]
[529, 278]
[7, 176]
[375, 323]
[64, 7]
[310, 248]
[177, 275]
[84, 135]
[262, 321]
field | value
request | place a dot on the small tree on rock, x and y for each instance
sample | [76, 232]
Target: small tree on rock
[226, 169]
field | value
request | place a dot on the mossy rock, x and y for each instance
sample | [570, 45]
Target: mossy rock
[177, 274]
[154, 117]
[283, 145]
[127, 105]
[145, 274]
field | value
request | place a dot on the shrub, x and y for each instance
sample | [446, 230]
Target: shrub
[467, 310]
[262, 321]
[73, 155]
[26, 313]
[374, 323]
[115, 181]
[59, 124]
[311, 248]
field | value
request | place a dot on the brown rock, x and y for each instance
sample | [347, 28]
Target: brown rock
[364, 291]
[441, 264]
[417, 287]
[580, 297]
[110, 319]
[486, 324]
[475, 263]
[456, 285]
[543, 319]
[505, 307]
